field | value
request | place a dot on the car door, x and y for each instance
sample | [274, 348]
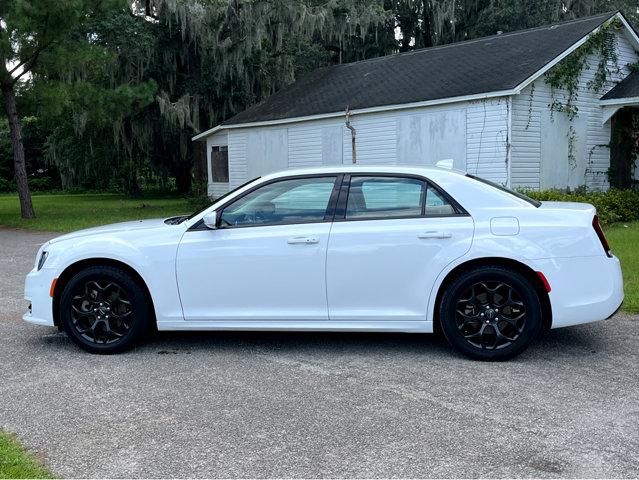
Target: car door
[391, 237]
[267, 258]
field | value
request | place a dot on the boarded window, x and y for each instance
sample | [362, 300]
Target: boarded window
[220, 163]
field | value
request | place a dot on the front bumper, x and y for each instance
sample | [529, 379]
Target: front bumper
[584, 289]
[37, 286]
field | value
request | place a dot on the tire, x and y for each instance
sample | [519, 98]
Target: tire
[490, 313]
[104, 310]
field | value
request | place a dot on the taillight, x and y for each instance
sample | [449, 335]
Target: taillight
[600, 234]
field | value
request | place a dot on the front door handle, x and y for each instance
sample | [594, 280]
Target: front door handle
[440, 235]
[305, 239]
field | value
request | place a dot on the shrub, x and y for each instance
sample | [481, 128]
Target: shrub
[6, 185]
[198, 197]
[612, 206]
[41, 184]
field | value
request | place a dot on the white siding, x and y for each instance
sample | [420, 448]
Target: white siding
[475, 131]
[238, 172]
[487, 139]
[431, 135]
[304, 145]
[540, 142]
[332, 145]
[376, 139]
[266, 150]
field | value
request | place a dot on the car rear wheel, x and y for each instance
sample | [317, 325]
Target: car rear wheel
[490, 313]
[104, 310]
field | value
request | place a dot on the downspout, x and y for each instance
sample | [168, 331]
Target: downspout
[353, 134]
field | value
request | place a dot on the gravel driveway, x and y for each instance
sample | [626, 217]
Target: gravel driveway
[316, 405]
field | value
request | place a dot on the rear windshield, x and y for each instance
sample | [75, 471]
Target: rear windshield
[507, 190]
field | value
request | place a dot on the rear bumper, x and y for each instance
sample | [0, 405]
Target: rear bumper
[36, 291]
[583, 289]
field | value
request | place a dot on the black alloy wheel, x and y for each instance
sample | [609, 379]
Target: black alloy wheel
[490, 313]
[103, 309]
[102, 312]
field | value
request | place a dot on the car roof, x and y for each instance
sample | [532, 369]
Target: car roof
[422, 170]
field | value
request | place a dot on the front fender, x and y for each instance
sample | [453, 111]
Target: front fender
[150, 253]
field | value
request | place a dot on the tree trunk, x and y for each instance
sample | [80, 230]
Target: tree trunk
[621, 149]
[427, 30]
[9, 100]
[200, 168]
[183, 178]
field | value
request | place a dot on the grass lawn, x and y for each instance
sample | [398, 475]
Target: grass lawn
[65, 213]
[15, 462]
[624, 241]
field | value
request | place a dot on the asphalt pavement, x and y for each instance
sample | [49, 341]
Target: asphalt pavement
[316, 405]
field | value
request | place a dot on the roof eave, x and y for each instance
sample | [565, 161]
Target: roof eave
[620, 101]
[381, 108]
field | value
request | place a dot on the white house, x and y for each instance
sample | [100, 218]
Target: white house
[483, 103]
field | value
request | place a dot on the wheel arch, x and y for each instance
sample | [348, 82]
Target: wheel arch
[519, 267]
[68, 273]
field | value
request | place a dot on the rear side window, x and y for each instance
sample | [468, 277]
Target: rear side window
[380, 197]
[436, 204]
[507, 190]
[384, 197]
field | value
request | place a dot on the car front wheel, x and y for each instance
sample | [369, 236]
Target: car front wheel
[103, 309]
[490, 313]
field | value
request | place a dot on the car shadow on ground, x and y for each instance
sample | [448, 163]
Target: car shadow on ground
[577, 340]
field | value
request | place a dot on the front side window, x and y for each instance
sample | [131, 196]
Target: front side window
[220, 163]
[303, 200]
[384, 197]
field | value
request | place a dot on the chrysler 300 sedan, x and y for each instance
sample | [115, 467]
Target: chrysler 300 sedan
[384, 249]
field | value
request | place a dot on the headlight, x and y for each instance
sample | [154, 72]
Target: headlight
[43, 258]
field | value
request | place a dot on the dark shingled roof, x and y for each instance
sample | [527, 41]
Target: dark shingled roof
[489, 64]
[628, 87]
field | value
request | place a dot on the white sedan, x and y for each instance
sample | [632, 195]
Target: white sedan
[385, 249]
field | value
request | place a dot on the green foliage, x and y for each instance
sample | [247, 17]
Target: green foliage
[121, 86]
[566, 74]
[6, 185]
[198, 197]
[16, 462]
[612, 206]
[623, 241]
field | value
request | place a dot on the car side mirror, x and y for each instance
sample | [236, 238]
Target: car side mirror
[210, 220]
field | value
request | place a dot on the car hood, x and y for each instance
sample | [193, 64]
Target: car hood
[114, 228]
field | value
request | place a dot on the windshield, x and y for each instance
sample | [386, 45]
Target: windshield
[517, 194]
[218, 199]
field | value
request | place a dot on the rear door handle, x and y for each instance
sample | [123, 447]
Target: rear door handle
[307, 240]
[434, 235]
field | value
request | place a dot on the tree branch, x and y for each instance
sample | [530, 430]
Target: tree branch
[31, 60]
[29, 63]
